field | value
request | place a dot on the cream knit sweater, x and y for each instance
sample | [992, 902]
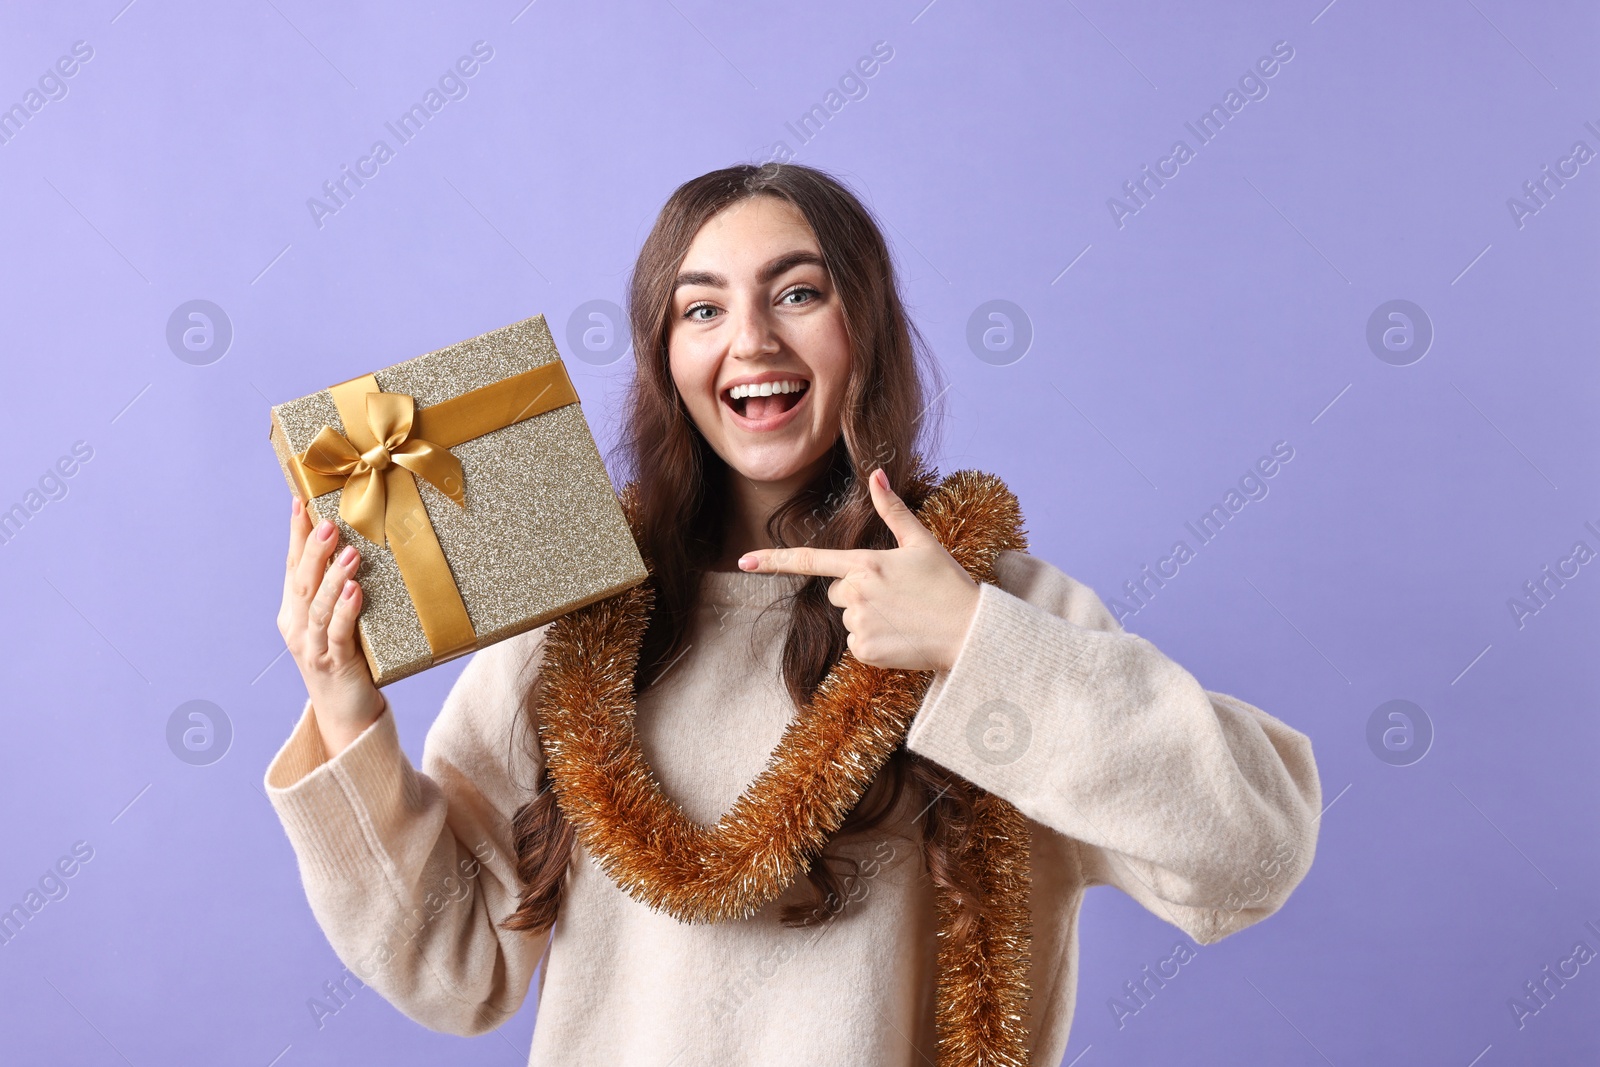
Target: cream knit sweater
[1199, 806]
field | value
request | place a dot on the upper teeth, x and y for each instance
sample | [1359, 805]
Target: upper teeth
[765, 389]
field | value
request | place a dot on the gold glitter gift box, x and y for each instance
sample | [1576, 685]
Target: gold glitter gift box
[470, 482]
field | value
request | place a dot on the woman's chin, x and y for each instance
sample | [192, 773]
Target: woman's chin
[775, 464]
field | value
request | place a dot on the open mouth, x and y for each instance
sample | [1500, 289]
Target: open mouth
[764, 401]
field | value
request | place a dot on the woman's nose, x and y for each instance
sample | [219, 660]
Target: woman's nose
[752, 333]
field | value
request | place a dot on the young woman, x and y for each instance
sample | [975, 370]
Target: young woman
[801, 558]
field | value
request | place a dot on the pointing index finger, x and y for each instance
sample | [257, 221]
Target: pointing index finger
[828, 562]
[901, 520]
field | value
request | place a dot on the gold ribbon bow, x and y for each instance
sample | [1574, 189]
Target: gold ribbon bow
[390, 418]
[389, 442]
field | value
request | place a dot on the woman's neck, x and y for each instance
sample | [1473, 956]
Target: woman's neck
[748, 506]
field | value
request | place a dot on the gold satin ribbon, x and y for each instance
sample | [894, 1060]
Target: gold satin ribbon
[388, 443]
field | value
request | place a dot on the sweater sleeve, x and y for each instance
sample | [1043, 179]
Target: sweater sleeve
[410, 873]
[1196, 804]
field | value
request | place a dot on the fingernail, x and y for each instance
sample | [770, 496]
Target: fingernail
[748, 563]
[881, 478]
[294, 507]
[348, 591]
[324, 529]
[347, 555]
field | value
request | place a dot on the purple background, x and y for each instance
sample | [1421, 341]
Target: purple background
[1226, 315]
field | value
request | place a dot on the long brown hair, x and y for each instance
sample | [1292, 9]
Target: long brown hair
[679, 484]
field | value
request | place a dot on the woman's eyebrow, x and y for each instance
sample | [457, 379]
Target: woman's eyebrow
[786, 262]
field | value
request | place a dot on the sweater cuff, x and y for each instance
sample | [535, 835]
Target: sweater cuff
[992, 717]
[334, 810]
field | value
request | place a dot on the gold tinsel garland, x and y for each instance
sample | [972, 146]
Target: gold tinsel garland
[823, 763]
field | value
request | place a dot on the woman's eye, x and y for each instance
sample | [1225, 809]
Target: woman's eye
[804, 290]
[694, 309]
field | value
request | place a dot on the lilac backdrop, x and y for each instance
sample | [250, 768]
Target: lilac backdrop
[1174, 341]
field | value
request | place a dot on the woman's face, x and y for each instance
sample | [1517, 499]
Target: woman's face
[757, 345]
